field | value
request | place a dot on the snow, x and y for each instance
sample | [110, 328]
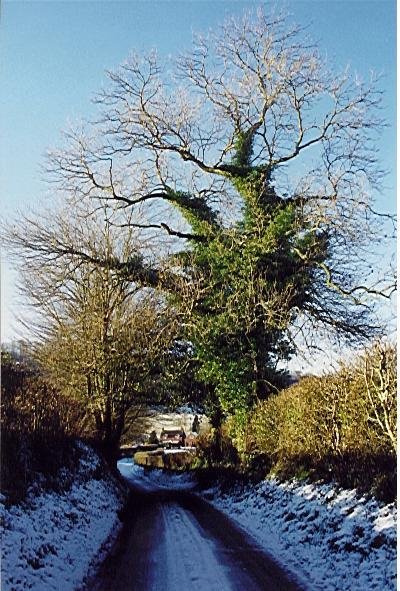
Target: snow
[198, 566]
[53, 540]
[332, 539]
[179, 450]
[154, 479]
[181, 551]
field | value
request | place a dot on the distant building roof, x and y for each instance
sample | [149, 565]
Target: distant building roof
[173, 435]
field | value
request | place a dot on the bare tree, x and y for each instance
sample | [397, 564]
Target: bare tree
[251, 104]
[255, 165]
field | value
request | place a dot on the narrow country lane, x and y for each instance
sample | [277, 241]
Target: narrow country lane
[173, 539]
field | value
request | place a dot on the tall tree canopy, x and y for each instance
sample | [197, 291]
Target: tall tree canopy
[250, 167]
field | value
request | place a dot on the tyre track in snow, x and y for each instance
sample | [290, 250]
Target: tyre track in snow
[187, 555]
[174, 539]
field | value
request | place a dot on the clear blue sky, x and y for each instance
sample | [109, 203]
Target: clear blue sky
[53, 56]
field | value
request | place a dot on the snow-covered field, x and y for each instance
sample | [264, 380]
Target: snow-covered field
[52, 541]
[333, 539]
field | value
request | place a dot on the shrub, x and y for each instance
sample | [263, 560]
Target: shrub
[37, 428]
[216, 448]
[341, 425]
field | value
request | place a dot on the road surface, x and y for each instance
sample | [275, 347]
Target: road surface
[174, 540]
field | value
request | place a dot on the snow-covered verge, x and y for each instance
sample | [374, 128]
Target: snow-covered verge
[332, 539]
[54, 540]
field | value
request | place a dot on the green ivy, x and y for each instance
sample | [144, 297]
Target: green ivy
[238, 330]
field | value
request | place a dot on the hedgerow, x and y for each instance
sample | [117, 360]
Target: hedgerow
[339, 426]
[39, 428]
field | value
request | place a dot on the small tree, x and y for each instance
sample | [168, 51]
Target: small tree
[196, 425]
[379, 368]
[101, 338]
[153, 438]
